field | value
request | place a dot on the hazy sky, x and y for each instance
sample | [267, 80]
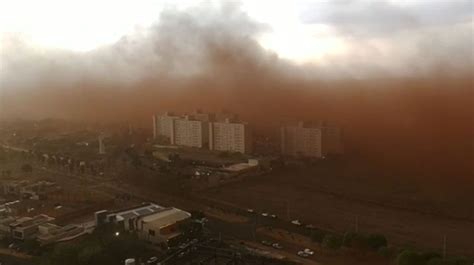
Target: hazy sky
[303, 31]
[397, 75]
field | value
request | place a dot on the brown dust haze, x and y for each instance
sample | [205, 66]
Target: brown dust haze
[419, 122]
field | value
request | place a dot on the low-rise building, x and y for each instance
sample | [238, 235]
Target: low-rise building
[50, 233]
[162, 226]
[27, 227]
[151, 222]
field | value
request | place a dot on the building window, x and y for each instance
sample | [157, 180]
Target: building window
[151, 232]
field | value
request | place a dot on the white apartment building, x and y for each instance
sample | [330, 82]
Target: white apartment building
[163, 125]
[190, 132]
[220, 132]
[311, 140]
[230, 136]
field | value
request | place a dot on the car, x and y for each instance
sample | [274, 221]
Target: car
[250, 210]
[277, 246]
[274, 216]
[302, 254]
[296, 222]
[265, 214]
[266, 243]
[310, 226]
[308, 251]
[152, 260]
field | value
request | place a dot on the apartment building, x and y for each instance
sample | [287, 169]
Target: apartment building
[163, 125]
[220, 132]
[230, 136]
[311, 140]
[189, 131]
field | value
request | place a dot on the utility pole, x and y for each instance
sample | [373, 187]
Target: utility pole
[444, 246]
[357, 224]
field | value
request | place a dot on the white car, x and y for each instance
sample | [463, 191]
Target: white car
[277, 246]
[152, 260]
[274, 216]
[308, 251]
[296, 222]
[302, 254]
[265, 214]
[250, 210]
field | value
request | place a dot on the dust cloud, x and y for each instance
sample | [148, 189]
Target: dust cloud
[417, 121]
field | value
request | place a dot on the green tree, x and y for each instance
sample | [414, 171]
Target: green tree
[347, 239]
[317, 235]
[408, 257]
[385, 252]
[332, 241]
[375, 241]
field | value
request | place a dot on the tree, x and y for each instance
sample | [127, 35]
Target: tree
[332, 241]
[317, 235]
[347, 239]
[385, 252]
[408, 257]
[375, 241]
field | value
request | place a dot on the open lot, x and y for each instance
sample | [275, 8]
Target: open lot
[342, 204]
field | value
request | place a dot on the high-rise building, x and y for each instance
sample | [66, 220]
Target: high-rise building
[231, 136]
[191, 132]
[204, 130]
[311, 140]
[163, 125]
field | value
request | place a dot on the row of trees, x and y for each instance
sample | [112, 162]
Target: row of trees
[361, 242]
[378, 243]
[411, 257]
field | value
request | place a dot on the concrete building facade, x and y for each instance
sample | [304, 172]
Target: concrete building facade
[311, 140]
[220, 132]
[230, 136]
[190, 132]
[150, 222]
[163, 125]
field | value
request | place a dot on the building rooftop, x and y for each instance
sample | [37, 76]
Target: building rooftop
[166, 217]
[31, 221]
[142, 210]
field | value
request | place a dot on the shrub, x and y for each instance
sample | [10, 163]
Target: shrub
[435, 261]
[317, 235]
[385, 252]
[408, 257]
[376, 241]
[347, 239]
[332, 241]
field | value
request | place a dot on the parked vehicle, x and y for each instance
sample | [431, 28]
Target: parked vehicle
[296, 222]
[277, 246]
[152, 260]
[302, 254]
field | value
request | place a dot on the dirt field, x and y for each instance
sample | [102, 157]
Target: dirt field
[403, 212]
